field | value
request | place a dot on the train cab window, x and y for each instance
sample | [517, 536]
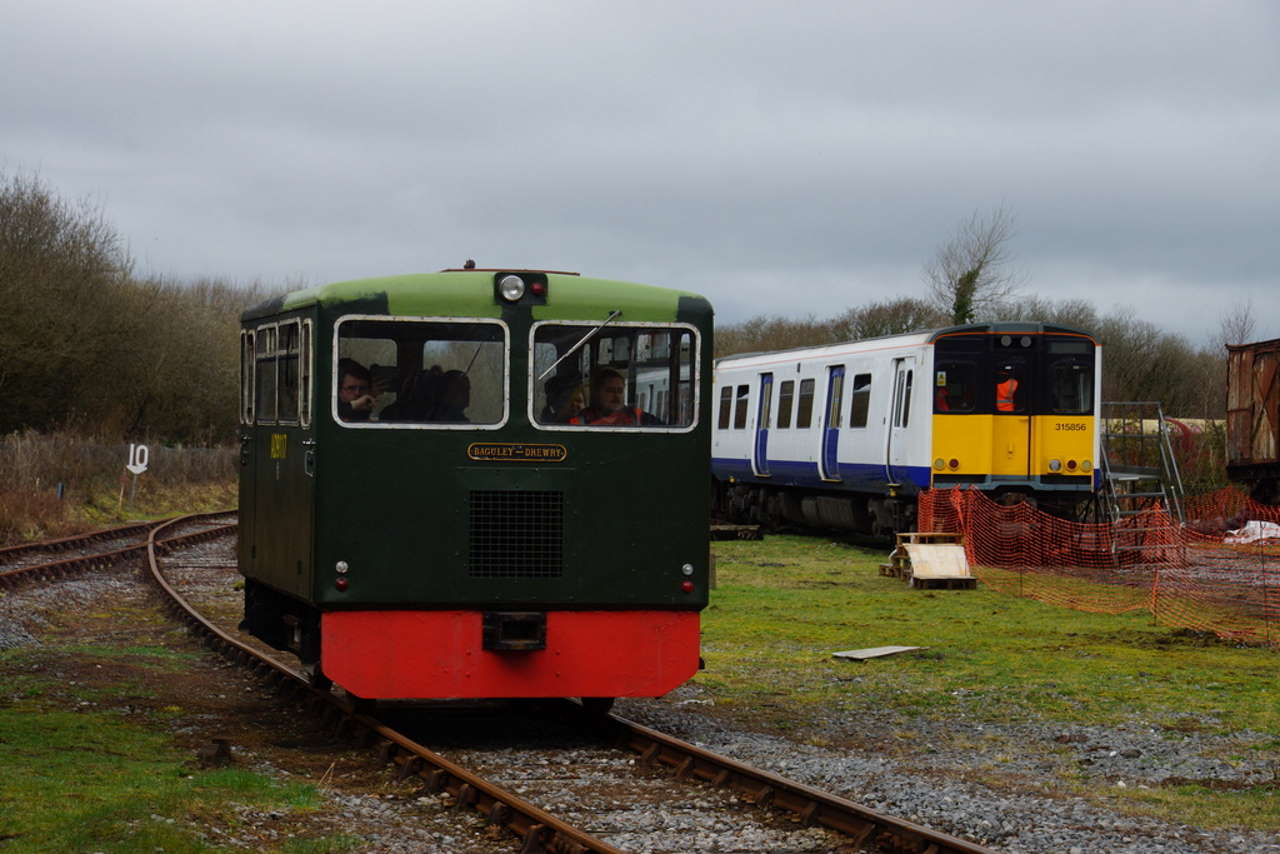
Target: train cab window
[1010, 387]
[449, 373]
[804, 407]
[616, 375]
[955, 385]
[726, 407]
[264, 377]
[1070, 377]
[786, 396]
[861, 405]
[740, 407]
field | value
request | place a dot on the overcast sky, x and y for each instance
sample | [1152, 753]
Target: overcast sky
[779, 158]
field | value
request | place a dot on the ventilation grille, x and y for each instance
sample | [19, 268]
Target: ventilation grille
[516, 534]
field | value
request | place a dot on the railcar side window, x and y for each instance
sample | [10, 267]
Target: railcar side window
[740, 410]
[448, 373]
[834, 404]
[304, 374]
[786, 393]
[804, 408]
[265, 375]
[861, 400]
[287, 343]
[616, 375]
[726, 407]
[247, 363]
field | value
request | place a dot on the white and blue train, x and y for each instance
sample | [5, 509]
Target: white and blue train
[847, 435]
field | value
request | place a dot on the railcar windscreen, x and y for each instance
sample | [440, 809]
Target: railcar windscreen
[637, 376]
[420, 372]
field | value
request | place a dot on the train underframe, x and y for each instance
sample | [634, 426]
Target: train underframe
[443, 653]
[864, 513]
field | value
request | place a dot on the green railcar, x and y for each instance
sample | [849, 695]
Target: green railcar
[478, 483]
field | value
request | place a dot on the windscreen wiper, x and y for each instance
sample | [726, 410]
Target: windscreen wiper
[613, 315]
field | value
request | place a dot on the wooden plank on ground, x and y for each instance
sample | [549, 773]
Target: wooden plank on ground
[874, 652]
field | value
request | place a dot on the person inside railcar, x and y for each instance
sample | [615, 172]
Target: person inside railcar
[609, 403]
[1006, 389]
[565, 399]
[455, 397]
[356, 395]
[418, 397]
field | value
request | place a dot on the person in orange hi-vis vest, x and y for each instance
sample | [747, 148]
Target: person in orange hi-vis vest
[1006, 388]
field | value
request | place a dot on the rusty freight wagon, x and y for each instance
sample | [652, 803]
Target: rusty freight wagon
[1253, 429]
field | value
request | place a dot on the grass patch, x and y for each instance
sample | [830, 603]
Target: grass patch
[783, 605]
[96, 782]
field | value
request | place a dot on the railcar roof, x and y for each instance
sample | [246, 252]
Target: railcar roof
[469, 293]
[907, 339]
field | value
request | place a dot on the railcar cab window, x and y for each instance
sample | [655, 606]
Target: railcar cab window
[422, 373]
[955, 387]
[618, 376]
[1070, 376]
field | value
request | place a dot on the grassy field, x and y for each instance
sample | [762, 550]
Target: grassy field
[783, 605]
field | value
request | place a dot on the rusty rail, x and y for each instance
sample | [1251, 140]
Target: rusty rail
[867, 828]
[540, 831]
[63, 567]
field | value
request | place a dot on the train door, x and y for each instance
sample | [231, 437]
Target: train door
[282, 522]
[1011, 431]
[897, 446]
[760, 455]
[829, 465]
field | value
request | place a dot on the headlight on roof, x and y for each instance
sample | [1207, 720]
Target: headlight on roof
[511, 288]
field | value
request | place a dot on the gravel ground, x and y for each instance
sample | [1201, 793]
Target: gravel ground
[930, 789]
[1026, 811]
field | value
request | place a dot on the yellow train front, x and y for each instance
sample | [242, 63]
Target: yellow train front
[1014, 411]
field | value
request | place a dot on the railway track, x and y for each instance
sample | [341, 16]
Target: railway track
[28, 563]
[670, 764]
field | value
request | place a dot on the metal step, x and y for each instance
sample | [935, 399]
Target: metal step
[1160, 494]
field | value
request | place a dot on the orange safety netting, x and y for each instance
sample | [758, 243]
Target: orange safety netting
[1199, 575]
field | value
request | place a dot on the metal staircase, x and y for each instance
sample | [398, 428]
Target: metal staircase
[1139, 474]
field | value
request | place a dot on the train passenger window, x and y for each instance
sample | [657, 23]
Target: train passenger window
[247, 363]
[804, 407]
[861, 396]
[902, 416]
[264, 378]
[420, 373]
[740, 408]
[726, 407]
[835, 411]
[616, 375]
[786, 393]
[304, 375]
[955, 384]
[287, 376]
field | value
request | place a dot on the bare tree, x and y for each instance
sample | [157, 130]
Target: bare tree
[1235, 326]
[888, 317]
[968, 278]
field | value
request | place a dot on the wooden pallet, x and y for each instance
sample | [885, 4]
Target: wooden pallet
[735, 532]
